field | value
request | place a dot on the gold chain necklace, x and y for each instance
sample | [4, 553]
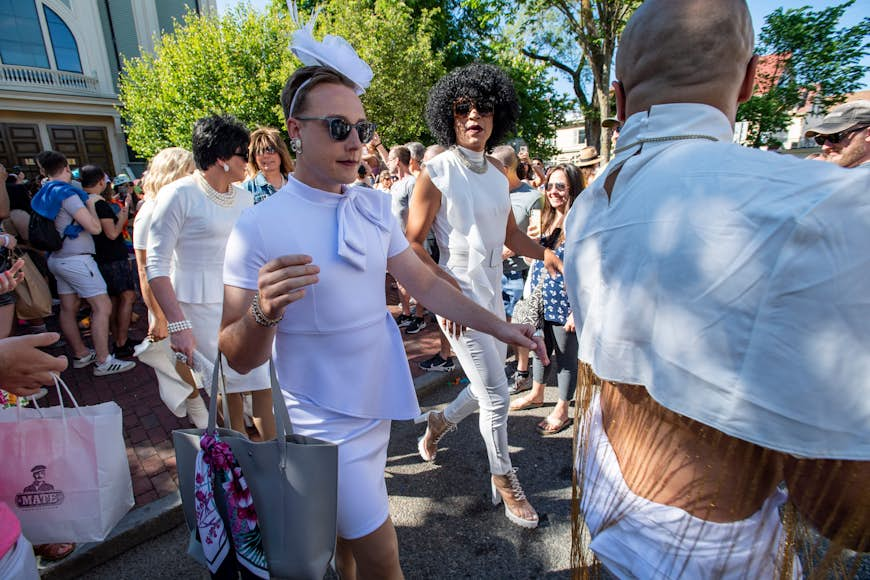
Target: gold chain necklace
[477, 167]
[222, 199]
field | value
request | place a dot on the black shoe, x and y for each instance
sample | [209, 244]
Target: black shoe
[126, 350]
[438, 364]
[416, 326]
[404, 321]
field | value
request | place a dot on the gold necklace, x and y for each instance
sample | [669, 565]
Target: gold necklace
[222, 199]
[475, 166]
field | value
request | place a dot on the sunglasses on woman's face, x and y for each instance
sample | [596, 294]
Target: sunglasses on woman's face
[265, 150]
[340, 128]
[560, 187]
[463, 108]
[243, 154]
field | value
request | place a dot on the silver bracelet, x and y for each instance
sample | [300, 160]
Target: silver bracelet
[259, 317]
[178, 326]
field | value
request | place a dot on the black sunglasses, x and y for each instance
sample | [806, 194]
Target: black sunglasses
[340, 128]
[463, 108]
[267, 149]
[242, 154]
[838, 136]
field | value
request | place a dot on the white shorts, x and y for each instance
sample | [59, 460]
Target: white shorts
[637, 538]
[77, 274]
[362, 457]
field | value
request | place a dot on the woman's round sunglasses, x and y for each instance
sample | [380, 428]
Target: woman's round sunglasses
[462, 108]
[340, 128]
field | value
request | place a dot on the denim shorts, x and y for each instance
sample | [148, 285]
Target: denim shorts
[512, 285]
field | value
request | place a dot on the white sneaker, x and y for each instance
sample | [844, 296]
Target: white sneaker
[113, 366]
[83, 361]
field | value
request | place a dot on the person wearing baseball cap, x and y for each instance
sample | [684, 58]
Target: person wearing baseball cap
[844, 134]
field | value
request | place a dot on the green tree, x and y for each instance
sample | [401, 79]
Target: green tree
[235, 64]
[578, 38]
[814, 60]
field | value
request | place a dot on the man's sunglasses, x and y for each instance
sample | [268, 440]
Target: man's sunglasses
[837, 137]
[340, 128]
[463, 108]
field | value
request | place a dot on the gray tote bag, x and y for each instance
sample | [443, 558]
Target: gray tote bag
[293, 480]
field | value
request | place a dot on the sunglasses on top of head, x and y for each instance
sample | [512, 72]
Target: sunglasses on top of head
[835, 138]
[340, 128]
[463, 108]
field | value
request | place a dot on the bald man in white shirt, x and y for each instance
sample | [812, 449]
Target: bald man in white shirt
[720, 294]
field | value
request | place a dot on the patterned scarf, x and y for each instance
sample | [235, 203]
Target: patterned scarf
[215, 462]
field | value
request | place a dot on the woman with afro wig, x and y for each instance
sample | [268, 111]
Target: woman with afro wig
[463, 196]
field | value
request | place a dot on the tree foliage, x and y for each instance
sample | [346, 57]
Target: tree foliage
[234, 64]
[816, 61]
[578, 38]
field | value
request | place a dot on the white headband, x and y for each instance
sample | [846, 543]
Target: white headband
[333, 52]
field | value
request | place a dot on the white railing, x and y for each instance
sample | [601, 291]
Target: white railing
[26, 77]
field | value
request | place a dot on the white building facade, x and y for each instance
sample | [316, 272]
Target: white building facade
[59, 66]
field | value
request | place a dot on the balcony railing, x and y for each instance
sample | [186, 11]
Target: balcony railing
[31, 78]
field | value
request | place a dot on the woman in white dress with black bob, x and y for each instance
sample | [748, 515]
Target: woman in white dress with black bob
[187, 238]
[464, 197]
[298, 261]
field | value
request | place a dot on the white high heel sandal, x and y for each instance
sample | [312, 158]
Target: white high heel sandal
[519, 495]
[421, 441]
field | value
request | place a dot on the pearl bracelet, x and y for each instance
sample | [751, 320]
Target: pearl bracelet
[178, 326]
[260, 317]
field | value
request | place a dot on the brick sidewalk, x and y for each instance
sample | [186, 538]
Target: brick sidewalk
[148, 424]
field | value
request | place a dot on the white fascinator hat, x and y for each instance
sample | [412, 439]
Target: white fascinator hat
[333, 51]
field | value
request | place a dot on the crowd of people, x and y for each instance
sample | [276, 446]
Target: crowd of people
[702, 304]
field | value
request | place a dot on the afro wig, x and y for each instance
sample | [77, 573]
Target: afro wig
[475, 81]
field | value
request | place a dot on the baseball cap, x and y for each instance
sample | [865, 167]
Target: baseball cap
[121, 179]
[842, 118]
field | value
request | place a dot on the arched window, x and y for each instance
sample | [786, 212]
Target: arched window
[21, 42]
[66, 51]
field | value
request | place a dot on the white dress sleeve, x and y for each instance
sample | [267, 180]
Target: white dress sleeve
[245, 255]
[167, 221]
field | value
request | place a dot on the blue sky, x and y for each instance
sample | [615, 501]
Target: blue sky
[759, 9]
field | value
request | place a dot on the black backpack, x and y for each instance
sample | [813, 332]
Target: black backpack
[42, 234]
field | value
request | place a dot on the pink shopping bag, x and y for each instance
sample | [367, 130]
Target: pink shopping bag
[65, 470]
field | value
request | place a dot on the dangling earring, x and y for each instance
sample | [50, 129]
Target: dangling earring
[296, 145]
[226, 168]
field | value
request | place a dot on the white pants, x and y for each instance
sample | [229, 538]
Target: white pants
[482, 358]
[637, 538]
[19, 562]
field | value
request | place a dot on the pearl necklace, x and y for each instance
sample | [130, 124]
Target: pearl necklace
[475, 166]
[222, 199]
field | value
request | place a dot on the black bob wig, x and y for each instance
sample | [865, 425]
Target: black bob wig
[475, 81]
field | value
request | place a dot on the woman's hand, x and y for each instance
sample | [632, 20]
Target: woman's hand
[157, 329]
[552, 263]
[525, 336]
[569, 323]
[184, 342]
[11, 277]
[533, 231]
[23, 367]
[283, 280]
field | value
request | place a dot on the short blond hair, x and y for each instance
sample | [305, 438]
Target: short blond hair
[167, 166]
[268, 137]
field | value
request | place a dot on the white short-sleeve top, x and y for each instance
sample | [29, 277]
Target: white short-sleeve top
[338, 346]
[470, 225]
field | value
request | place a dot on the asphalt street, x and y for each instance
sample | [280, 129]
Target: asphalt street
[446, 524]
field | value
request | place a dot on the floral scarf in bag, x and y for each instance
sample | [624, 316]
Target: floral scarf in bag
[215, 463]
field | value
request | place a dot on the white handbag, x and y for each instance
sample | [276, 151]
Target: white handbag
[65, 470]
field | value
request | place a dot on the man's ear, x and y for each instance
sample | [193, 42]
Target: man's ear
[748, 84]
[619, 93]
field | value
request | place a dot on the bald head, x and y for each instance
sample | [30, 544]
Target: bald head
[677, 51]
[507, 156]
